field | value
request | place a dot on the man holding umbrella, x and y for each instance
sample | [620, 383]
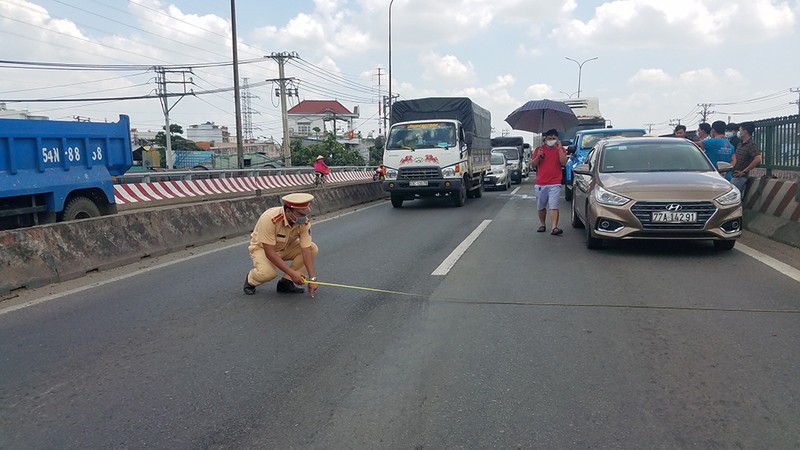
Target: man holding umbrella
[549, 160]
[536, 116]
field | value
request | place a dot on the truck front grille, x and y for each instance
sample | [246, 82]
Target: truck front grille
[419, 173]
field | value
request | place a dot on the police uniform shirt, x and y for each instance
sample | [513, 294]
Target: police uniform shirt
[273, 228]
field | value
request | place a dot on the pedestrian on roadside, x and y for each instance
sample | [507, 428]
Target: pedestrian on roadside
[731, 131]
[283, 233]
[549, 160]
[680, 131]
[747, 158]
[718, 148]
[703, 132]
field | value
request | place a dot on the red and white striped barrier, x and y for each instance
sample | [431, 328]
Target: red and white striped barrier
[774, 197]
[164, 190]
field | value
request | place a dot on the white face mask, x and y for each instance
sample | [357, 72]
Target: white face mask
[739, 134]
[550, 142]
[729, 134]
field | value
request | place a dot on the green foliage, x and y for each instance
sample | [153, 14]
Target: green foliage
[178, 142]
[335, 153]
[375, 156]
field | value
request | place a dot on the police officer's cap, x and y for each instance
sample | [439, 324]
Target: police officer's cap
[297, 200]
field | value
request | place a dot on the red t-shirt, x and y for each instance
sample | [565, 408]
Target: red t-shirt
[549, 170]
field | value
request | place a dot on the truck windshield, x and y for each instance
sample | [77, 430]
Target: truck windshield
[421, 135]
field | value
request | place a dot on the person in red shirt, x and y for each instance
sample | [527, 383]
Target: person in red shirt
[549, 160]
[320, 168]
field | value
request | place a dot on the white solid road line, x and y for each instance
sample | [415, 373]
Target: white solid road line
[783, 268]
[150, 269]
[451, 260]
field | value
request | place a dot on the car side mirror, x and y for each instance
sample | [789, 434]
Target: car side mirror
[380, 141]
[582, 169]
[723, 167]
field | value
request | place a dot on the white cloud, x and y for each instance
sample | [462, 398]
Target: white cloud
[641, 24]
[446, 67]
[650, 77]
[539, 91]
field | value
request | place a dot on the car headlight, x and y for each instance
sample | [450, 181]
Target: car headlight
[731, 197]
[391, 174]
[609, 198]
[448, 172]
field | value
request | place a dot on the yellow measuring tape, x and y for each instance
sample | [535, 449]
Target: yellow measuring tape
[553, 304]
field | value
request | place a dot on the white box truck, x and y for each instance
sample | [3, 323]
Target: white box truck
[437, 146]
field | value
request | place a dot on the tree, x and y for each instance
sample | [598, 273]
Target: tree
[178, 142]
[335, 153]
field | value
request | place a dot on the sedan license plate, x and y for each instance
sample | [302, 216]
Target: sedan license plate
[673, 217]
[487, 179]
[418, 183]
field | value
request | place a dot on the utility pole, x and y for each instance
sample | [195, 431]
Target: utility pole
[649, 127]
[237, 100]
[381, 115]
[797, 91]
[281, 59]
[705, 111]
[161, 90]
[674, 122]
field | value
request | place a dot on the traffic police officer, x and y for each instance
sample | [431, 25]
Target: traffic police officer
[283, 233]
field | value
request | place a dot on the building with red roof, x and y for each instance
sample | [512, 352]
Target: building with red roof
[327, 115]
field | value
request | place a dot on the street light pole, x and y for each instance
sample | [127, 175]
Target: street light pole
[580, 68]
[389, 101]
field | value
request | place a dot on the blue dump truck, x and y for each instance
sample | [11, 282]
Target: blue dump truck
[53, 170]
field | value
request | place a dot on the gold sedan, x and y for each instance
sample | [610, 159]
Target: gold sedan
[654, 188]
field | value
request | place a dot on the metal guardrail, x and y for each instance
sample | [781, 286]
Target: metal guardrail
[779, 141]
[201, 174]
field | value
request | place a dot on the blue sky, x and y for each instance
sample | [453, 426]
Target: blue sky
[656, 59]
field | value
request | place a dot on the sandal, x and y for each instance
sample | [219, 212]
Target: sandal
[541, 229]
[557, 231]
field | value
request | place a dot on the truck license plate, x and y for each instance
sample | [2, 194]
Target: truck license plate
[673, 217]
[418, 183]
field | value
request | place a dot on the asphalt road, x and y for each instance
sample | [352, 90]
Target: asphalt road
[529, 341]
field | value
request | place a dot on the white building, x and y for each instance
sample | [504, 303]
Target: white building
[326, 115]
[207, 132]
[6, 113]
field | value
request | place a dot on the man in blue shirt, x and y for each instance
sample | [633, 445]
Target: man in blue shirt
[717, 147]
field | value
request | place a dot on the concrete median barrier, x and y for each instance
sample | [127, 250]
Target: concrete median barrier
[772, 209]
[32, 257]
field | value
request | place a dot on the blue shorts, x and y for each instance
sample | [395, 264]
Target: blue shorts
[547, 196]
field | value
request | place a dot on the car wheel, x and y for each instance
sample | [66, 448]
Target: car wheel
[506, 185]
[592, 242]
[568, 192]
[575, 219]
[724, 245]
[397, 201]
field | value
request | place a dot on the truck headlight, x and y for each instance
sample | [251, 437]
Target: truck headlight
[449, 172]
[391, 174]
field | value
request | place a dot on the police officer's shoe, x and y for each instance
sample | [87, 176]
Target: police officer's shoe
[248, 288]
[288, 287]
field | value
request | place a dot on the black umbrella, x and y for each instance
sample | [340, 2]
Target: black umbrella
[539, 116]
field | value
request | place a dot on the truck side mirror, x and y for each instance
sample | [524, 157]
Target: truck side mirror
[380, 141]
[468, 137]
[570, 149]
